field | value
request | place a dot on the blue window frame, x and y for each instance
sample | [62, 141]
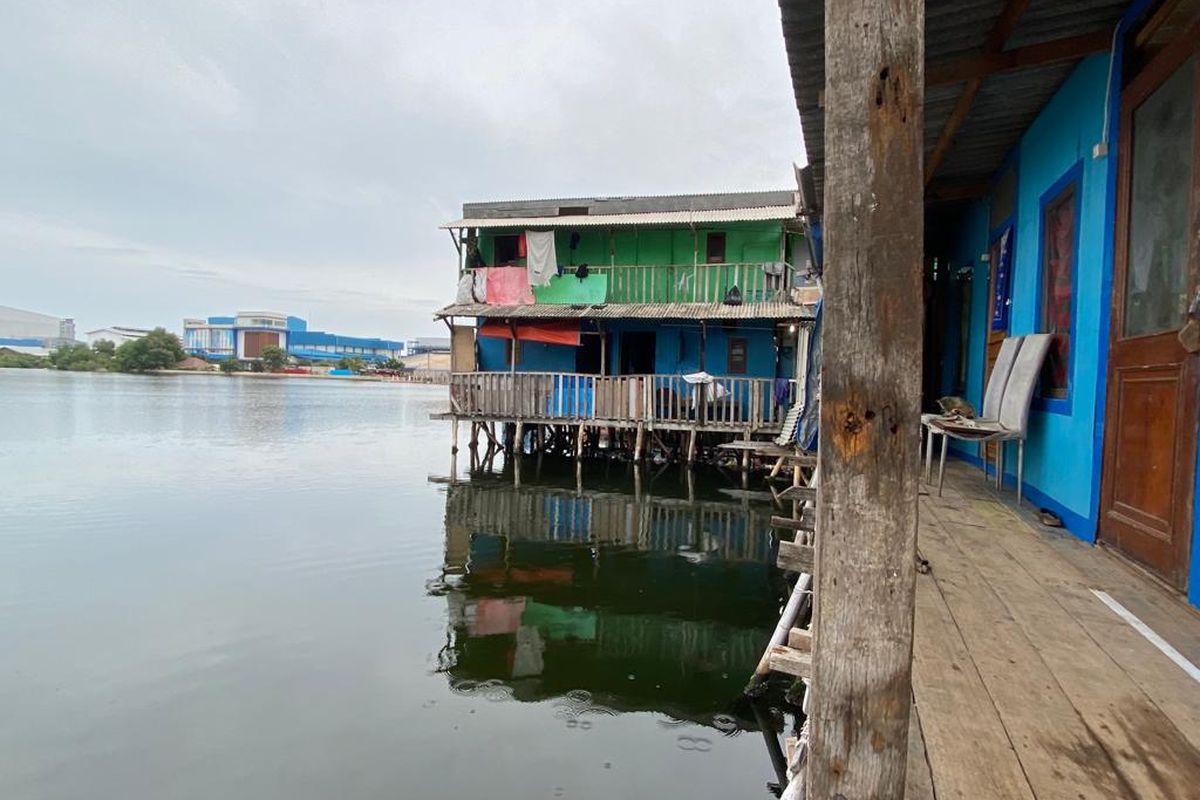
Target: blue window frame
[1058, 273]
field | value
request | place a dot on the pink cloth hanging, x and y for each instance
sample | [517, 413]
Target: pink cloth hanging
[508, 286]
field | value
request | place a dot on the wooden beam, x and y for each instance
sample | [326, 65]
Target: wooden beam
[795, 557]
[1034, 55]
[1001, 30]
[805, 523]
[800, 639]
[870, 399]
[792, 662]
[800, 493]
[941, 191]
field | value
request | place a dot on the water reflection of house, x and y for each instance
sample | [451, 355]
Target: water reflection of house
[700, 529]
[553, 592]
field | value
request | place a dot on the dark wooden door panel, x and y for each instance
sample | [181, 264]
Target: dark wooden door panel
[1147, 430]
[1151, 418]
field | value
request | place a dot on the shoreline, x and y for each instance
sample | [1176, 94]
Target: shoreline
[265, 375]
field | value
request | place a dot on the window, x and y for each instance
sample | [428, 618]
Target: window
[715, 248]
[506, 248]
[737, 356]
[1059, 227]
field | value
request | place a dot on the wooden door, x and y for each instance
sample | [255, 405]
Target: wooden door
[1150, 423]
[462, 348]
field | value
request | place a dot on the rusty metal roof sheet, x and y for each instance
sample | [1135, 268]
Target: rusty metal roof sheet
[954, 29]
[667, 311]
[627, 204]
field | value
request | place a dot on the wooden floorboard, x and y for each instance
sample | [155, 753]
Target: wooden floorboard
[1069, 570]
[918, 783]
[1085, 699]
[970, 756]
[1058, 753]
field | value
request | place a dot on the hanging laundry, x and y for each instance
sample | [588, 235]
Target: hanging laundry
[541, 261]
[508, 286]
[783, 391]
[472, 287]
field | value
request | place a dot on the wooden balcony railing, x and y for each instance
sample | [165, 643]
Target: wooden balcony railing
[732, 403]
[696, 283]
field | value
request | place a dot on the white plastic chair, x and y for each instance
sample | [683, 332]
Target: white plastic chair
[993, 393]
[1014, 412]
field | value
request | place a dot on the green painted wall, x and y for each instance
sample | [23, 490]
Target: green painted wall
[745, 242]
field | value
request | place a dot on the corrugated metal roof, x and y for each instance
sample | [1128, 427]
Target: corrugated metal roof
[954, 29]
[698, 217]
[674, 311]
[553, 207]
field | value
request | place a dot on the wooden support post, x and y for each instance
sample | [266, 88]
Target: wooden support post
[869, 453]
[519, 438]
[746, 453]
[474, 435]
[637, 443]
[579, 442]
[454, 436]
[691, 451]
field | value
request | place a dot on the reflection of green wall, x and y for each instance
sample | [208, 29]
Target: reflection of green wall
[688, 668]
[629, 582]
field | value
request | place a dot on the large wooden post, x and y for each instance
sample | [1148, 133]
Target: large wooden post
[870, 398]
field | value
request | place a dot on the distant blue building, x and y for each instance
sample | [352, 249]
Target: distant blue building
[245, 335]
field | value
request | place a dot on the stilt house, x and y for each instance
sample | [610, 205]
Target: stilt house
[666, 314]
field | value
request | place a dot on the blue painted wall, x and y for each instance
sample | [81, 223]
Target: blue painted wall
[970, 243]
[670, 357]
[1061, 457]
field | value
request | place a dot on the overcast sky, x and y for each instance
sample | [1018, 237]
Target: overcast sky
[162, 159]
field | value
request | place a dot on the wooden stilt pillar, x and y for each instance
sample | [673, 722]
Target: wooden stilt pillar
[519, 438]
[579, 442]
[454, 436]
[869, 452]
[638, 442]
[691, 450]
[746, 453]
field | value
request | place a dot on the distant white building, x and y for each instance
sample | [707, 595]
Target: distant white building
[29, 329]
[117, 334]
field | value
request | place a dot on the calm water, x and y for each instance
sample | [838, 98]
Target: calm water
[237, 588]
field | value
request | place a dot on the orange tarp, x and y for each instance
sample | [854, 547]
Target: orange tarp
[550, 332]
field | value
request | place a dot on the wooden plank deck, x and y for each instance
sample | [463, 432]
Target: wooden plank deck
[1027, 685]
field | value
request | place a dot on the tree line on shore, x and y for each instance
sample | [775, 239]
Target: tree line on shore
[158, 349]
